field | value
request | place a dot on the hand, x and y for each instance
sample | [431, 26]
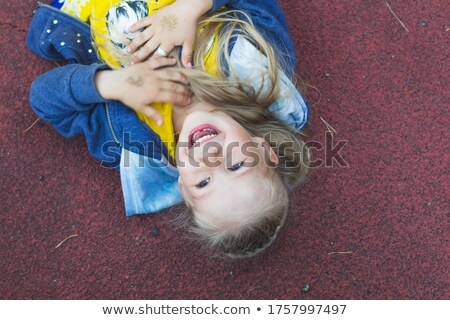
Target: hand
[139, 85]
[173, 25]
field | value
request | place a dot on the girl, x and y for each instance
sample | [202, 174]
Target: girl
[240, 202]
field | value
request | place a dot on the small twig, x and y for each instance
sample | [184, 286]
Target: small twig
[59, 244]
[329, 127]
[340, 252]
[104, 167]
[390, 9]
[37, 120]
[318, 93]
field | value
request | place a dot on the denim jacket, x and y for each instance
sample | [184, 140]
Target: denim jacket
[67, 98]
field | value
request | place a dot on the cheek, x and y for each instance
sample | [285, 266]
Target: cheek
[181, 157]
[242, 137]
[182, 163]
[185, 173]
[188, 173]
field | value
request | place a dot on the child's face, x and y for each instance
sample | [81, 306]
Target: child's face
[222, 168]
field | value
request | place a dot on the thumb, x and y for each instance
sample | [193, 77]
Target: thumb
[155, 115]
[186, 55]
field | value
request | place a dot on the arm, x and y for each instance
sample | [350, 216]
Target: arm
[71, 98]
[65, 95]
[270, 21]
[66, 98]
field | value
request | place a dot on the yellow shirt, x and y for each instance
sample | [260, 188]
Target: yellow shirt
[97, 13]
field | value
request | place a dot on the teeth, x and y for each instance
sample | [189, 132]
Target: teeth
[204, 138]
[210, 133]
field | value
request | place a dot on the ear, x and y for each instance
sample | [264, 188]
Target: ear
[180, 185]
[268, 149]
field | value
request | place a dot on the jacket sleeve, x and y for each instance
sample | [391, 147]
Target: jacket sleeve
[66, 97]
[54, 35]
[270, 21]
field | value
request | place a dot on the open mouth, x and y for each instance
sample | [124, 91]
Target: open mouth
[202, 134]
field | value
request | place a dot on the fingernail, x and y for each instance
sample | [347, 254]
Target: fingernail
[189, 65]
[128, 49]
[159, 122]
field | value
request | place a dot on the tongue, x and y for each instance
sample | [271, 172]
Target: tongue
[203, 133]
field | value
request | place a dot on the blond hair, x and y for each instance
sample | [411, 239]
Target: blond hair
[253, 236]
[249, 107]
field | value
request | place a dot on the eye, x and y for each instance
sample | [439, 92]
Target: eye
[236, 166]
[202, 183]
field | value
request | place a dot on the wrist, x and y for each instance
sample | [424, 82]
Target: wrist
[106, 84]
[200, 7]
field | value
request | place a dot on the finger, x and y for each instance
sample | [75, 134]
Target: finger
[144, 37]
[174, 87]
[156, 62]
[146, 50]
[173, 75]
[155, 115]
[141, 24]
[176, 98]
[163, 50]
[186, 57]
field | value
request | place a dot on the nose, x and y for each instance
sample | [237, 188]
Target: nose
[210, 152]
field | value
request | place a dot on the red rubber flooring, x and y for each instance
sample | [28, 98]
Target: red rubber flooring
[377, 229]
